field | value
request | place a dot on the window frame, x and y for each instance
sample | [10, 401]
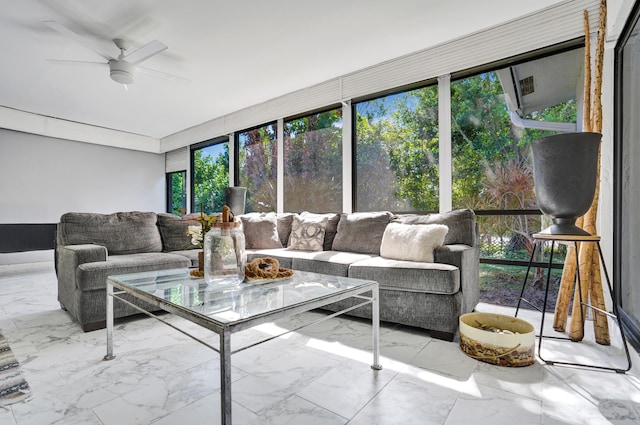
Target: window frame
[192, 150]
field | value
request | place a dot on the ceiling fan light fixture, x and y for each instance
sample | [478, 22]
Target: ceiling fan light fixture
[121, 71]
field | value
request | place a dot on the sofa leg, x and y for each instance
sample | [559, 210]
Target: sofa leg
[94, 326]
[445, 336]
[63, 307]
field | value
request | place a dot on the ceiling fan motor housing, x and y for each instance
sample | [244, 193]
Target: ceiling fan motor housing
[121, 71]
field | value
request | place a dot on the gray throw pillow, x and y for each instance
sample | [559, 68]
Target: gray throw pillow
[361, 232]
[461, 224]
[307, 233]
[173, 230]
[260, 231]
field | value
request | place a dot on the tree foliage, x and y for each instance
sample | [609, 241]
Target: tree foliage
[210, 178]
[313, 162]
[258, 155]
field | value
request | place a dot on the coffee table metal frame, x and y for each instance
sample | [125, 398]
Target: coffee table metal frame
[225, 329]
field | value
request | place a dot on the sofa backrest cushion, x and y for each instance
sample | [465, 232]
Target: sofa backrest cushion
[283, 223]
[461, 224]
[260, 230]
[361, 232]
[173, 230]
[121, 233]
[331, 229]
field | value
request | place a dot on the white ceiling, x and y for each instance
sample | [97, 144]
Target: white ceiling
[236, 53]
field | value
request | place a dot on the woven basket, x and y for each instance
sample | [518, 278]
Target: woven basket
[502, 349]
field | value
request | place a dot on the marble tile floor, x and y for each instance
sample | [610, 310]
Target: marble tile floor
[319, 375]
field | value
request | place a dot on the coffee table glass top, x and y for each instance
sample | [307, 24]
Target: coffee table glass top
[228, 304]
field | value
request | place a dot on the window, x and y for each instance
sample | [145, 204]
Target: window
[396, 150]
[627, 177]
[495, 115]
[210, 168]
[177, 192]
[313, 162]
[257, 169]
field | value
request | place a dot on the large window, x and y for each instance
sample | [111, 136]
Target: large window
[627, 177]
[210, 168]
[396, 148]
[313, 162]
[495, 116]
[177, 192]
[257, 166]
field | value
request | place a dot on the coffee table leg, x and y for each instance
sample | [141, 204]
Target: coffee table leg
[375, 322]
[225, 377]
[109, 355]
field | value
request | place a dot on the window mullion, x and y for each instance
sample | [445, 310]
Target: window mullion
[444, 130]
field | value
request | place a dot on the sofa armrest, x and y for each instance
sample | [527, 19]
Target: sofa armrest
[467, 259]
[79, 254]
[68, 258]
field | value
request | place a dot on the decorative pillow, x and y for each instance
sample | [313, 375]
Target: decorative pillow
[361, 232]
[330, 231]
[307, 233]
[173, 230]
[260, 231]
[412, 242]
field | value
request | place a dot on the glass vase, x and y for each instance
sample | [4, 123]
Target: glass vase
[224, 254]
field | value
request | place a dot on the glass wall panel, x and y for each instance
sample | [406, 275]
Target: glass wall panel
[313, 162]
[257, 171]
[396, 151]
[628, 180]
[177, 192]
[210, 167]
[494, 117]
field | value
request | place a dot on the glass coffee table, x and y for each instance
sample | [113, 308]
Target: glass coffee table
[229, 309]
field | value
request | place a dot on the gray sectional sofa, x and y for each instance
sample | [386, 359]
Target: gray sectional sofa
[90, 247]
[427, 265]
[423, 282]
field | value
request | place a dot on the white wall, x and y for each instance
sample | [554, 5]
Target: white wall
[41, 178]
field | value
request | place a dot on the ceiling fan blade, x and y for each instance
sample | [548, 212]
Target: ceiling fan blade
[80, 63]
[66, 31]
[163, 75]
[145, 52]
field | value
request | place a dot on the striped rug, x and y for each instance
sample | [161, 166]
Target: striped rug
[13, 387]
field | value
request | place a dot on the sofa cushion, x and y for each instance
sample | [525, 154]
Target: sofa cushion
[434, 278]
[307, 233]
[260, 231]
[173, 230]
[330, 230]
[361, 232]
[93, 276]
[283, 222]
[461, 224]
[412, 242]
[121, 233]
[281, 254]
[335, 263]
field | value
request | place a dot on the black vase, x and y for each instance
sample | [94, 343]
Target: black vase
[235, 197]
[564, 175]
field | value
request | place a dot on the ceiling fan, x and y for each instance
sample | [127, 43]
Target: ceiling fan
[122, 69]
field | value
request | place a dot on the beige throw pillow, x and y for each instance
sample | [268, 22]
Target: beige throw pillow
[412, 242]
